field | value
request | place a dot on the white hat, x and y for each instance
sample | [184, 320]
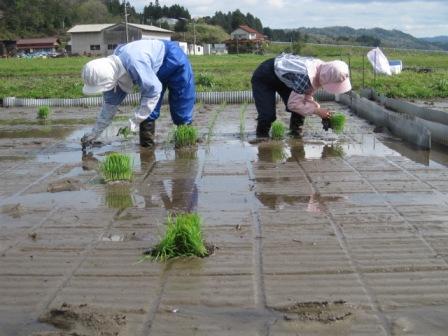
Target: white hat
[100, 75]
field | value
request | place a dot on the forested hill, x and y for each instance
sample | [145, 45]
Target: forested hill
[36, 18]
[348, 35]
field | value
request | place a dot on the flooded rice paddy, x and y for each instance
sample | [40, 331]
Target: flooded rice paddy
[324, 235]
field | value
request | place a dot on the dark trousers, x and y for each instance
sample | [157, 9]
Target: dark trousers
[265, 84]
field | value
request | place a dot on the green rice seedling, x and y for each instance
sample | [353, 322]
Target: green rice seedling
[117, 167]
[118, 196]
[185, 135]
[199, 106]
[125, 132]
[43, 112]
[278, 130]
[212, 123]
[183, 238]
[243, 120]
[337, 121]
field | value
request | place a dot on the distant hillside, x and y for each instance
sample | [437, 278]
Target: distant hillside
[440, 41]
[371, 37]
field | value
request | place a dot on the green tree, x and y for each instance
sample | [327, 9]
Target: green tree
[205, 33]
[92, 11]
[237, 19]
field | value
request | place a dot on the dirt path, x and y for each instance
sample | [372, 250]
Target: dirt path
[325, 235]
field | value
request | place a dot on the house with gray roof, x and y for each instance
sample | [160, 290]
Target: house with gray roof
[102, 39]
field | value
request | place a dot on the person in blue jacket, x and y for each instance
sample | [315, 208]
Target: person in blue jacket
[153, 65]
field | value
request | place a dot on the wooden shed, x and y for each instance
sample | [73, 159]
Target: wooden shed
[48, 44]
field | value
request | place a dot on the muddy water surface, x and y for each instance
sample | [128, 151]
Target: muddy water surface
[326, 234]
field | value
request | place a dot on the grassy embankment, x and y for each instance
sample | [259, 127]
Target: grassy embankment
[44, 78]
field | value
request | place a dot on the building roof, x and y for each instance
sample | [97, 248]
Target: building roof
[90, 28]
[248, 29]
[96, 28]
[38, 41]
[150, 28]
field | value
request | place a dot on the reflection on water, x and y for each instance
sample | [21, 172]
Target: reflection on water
[118, 196]
[315, 202]
[176, 190]
[275, 151]
[364, 145]
[46, 131]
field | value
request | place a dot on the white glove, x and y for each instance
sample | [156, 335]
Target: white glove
[133, 125]
[141, 113]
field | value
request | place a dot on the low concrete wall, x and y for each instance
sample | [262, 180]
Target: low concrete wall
[435, 121]
[422, 112]
[408, 128]
[231, 97]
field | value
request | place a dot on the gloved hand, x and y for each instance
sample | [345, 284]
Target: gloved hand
[142, 112]
[125, 132]
[326, 125]
[133, 125]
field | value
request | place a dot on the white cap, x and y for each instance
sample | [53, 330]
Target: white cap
[100, 75]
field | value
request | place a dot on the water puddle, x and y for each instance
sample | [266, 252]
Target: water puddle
[398, 198]
[315, 202]
[82, 199]
[119, 196]
[46, 131]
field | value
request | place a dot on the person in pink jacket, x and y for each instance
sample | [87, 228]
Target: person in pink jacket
[295, 79]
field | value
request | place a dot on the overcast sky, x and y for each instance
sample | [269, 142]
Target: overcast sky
[418, 18]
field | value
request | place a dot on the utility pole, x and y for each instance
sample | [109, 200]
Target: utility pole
[194, 37]
[126, 20]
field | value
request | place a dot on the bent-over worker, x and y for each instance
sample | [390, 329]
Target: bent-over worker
[295, 79]
[153, 65]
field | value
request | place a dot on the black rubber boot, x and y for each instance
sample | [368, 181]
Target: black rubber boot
[263, 129]
[295, 124]
[147, 133]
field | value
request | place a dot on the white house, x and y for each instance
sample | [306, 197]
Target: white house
[102, 39]
[244, 32]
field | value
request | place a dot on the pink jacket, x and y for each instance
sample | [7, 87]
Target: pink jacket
[303, 104]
